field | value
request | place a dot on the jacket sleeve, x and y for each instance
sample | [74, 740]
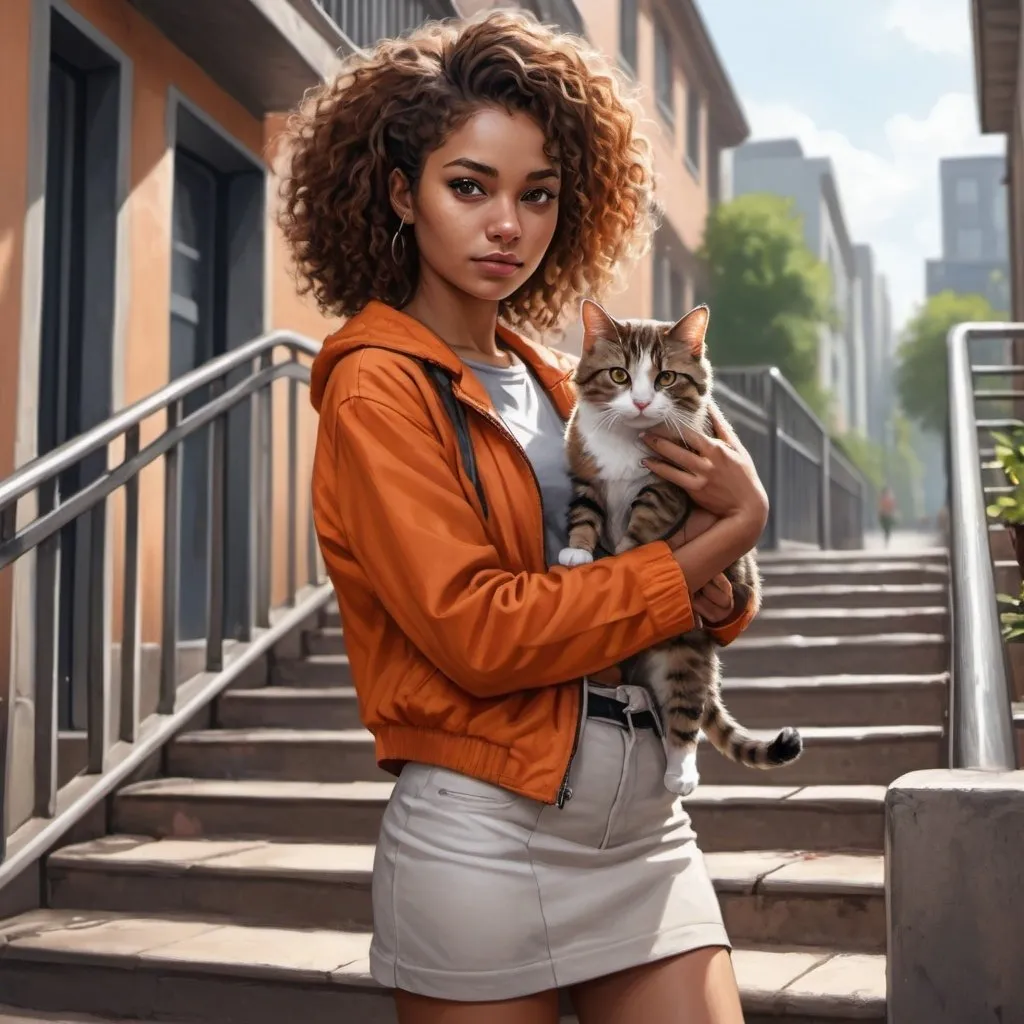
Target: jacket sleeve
[421, 543]
[739, 618]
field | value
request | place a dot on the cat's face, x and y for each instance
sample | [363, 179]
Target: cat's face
[640, 373]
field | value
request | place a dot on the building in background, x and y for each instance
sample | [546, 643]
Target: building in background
[779, 167]
[693, 115]
[1000, 90]
[975, 231]
[878, 347]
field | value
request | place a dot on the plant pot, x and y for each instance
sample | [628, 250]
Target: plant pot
[1016, 532]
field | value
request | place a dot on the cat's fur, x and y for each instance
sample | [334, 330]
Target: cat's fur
[619, 504]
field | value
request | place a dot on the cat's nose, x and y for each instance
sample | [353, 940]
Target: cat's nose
[640, 405]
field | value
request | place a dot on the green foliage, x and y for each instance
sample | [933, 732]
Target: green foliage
[1012, 615]
[1009, 452]
[867, 456]
[921, 371]
[768, 293]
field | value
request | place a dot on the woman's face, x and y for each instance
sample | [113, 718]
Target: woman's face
[486, 206]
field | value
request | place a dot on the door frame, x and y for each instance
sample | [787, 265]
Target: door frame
[246, 312]
[108, 253]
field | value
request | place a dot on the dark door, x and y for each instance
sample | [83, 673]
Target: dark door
[196, 336]
[61, 355]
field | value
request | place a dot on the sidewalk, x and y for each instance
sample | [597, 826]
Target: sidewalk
[903, 540]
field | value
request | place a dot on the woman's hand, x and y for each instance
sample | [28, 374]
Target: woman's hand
[714, 601]
[699, 521]
[718, 473]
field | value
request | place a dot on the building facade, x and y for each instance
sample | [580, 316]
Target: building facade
[692, 116]
[878, 347]
[780, 167]
[975, 231]
[999, 80]
[138, 240]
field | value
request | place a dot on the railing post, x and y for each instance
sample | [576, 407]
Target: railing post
[8, 527]
[825, 492]
[218, 537]
[47, 613]
[172, 571]
[293, 487]
[773, 532]
[97, 677]
[130, 646]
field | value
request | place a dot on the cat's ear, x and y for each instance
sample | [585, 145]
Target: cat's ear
[597, 325]
[691, 330]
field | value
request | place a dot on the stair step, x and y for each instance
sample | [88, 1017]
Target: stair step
[207, 971]
[874, 654]
[317, 755]
[316, 671]
[834, 900]
[768, 701]
[326, 640]
[817, 621]
[869, 571]
[815, 556]
[850, 754]
[289, 707]
[727, 818]
[853, 595]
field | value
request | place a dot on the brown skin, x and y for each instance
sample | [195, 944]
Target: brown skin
[459, 215]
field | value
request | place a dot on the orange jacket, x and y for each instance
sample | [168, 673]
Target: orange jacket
[465, 648]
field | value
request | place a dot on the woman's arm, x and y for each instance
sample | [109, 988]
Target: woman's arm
[409, 524]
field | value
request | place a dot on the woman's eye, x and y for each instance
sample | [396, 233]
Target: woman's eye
[464, 187]
[541, 196]
[618, 375]
[665, 379]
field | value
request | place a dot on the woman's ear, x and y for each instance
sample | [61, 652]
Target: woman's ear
[400, 193]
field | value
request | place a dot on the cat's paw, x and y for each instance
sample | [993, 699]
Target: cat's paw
[574, 556]
[683, 780]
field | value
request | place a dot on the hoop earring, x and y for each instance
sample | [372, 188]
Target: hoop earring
[398, 237]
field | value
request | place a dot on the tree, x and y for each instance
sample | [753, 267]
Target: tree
[769, 294]
[921, 360]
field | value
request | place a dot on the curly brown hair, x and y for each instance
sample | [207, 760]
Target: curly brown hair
[391, 106]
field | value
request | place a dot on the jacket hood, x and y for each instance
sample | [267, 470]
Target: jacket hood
[379, 326]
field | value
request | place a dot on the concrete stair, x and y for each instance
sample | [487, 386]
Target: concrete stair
[236, 888]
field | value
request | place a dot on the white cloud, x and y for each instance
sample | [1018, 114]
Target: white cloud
[890, 197]
[935, 26]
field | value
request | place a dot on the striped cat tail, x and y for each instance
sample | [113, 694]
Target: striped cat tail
[728, 737]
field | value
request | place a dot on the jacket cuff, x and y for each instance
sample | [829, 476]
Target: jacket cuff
[739, 618]
[666, 592]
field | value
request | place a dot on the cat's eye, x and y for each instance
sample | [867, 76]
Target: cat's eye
[618, 375]
[665, 379]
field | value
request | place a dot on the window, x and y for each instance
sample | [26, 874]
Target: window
[627, 34]
[693, 129]
[968, 244]
[966, 191]
[663, 78]
[669, 297]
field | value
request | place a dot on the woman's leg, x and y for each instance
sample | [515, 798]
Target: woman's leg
[541, 1008]
[693, 988]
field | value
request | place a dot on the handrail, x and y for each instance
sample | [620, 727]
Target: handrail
[981, 724]
[43, 467]
[218, 390]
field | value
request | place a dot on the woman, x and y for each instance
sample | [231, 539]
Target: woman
[448, 187]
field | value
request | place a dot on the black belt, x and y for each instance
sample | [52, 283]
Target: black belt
[611, 710]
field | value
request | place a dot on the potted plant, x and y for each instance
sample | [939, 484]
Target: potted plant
[1009, 508]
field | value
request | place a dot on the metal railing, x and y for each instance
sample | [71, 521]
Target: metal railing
[367, 21]
[239, 380]
[815, 492]
[981, 722]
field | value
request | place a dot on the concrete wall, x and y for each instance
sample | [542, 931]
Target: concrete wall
[955, 894]
[159, 75]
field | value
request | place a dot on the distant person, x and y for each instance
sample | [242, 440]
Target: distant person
[887, 512]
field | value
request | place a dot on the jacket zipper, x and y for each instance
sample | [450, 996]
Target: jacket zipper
[564, 793]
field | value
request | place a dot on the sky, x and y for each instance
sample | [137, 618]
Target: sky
[883, 87]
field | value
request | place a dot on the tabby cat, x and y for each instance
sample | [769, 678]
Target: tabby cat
[637, 375]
